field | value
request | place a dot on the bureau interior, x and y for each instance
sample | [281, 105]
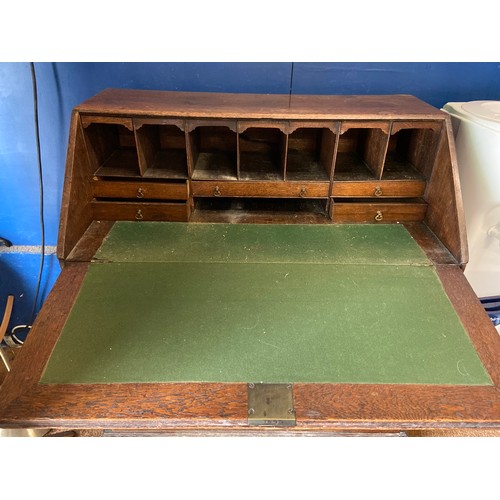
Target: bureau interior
[185, 167]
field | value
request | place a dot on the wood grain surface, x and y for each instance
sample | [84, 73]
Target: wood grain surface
[261, 106]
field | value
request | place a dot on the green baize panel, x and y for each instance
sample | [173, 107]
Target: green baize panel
[290, 321]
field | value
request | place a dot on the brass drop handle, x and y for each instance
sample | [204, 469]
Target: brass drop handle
[378, 216]
[138, 215]
[303, 192]
[378, 191]
[217, 191]
[140, 193]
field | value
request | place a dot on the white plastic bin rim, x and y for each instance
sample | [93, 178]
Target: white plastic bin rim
[485, 113]
[487, 110]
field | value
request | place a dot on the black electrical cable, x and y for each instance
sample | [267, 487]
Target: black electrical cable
[5, 241]
[40, 179]
[14, 339]
[291, 79]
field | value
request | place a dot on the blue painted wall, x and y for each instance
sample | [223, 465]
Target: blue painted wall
[63, 85]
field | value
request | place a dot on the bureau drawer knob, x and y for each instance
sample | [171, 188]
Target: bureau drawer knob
[138, 215]
[140, 193]
[303, 192]
[378, 191]
[379, 216]
[217, 191]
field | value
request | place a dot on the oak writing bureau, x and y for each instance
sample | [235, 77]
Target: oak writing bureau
[258, 264]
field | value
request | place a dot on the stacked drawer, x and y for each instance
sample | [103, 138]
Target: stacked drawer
[149, 201]
[378, 201]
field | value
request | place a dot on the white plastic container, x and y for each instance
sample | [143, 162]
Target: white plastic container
[476, 126]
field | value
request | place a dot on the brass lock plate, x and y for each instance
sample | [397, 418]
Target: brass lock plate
[271, 405]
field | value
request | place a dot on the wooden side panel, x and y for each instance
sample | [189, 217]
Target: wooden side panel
[375, 151]
[148, 144]
[445, 216]
[436, 252]
[328, 148]
[422, 150]
[100, 142]
[192, 150]
[283, 153]
[90, 242]
[76, 214]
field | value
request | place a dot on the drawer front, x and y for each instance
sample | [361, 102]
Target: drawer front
[261, 189]
[139, 190]
[107, 210]
[378, 212]
[379, 189]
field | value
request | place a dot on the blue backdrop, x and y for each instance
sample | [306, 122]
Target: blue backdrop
[64, 85]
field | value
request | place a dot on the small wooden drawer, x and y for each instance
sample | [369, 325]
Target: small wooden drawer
[107, 210]
[378, 212]
[140, 190]
[261, 189]
[378, 189]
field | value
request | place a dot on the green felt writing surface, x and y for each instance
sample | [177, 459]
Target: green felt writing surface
[252, 243]
[263, 322]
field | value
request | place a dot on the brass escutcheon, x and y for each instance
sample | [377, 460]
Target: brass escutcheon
[303, 192]
[378, 191]
[138, 215]
[140, 193]
[378, 216]
[217, 191]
